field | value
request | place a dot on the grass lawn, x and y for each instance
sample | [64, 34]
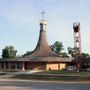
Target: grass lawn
[1, 73]
[56, 76]
[64, 72]
[52, 78]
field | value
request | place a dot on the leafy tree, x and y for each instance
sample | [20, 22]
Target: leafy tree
[86, 59]
[64, 55]
[57, 47]
[9, 52]
[85, 55]
[27, 53]
[52, 47]
[71, 51]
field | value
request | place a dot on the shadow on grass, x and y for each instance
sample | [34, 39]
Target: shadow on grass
[63, 72]
[52, 77]
[1, 73]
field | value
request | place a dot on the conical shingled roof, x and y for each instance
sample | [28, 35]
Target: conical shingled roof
[42, 49]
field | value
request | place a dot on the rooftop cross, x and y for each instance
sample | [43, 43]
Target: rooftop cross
[42, 15]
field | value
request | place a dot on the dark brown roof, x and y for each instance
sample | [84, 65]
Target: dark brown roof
[38, 59]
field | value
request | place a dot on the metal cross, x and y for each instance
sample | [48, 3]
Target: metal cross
[42, 15]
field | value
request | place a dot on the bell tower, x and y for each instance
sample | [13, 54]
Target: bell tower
[77, 44]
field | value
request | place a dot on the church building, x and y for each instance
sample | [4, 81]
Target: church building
[42, 57]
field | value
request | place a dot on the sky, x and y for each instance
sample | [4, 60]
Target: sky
[19, 23]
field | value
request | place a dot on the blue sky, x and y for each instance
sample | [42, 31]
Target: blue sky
[19, 22]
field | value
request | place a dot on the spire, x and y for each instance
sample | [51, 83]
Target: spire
[42, 48]
[42, 22]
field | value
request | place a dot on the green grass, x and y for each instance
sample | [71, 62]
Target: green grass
[52, 77]
[64, 72]
[57, 75]
[1, 73]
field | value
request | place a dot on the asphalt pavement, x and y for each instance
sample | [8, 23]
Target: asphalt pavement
[17, 84]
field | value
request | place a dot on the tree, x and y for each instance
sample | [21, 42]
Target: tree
[64, 55]
[85, 55]
[27, 53]
[71, 51]
[9, 52]
[57, 47]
